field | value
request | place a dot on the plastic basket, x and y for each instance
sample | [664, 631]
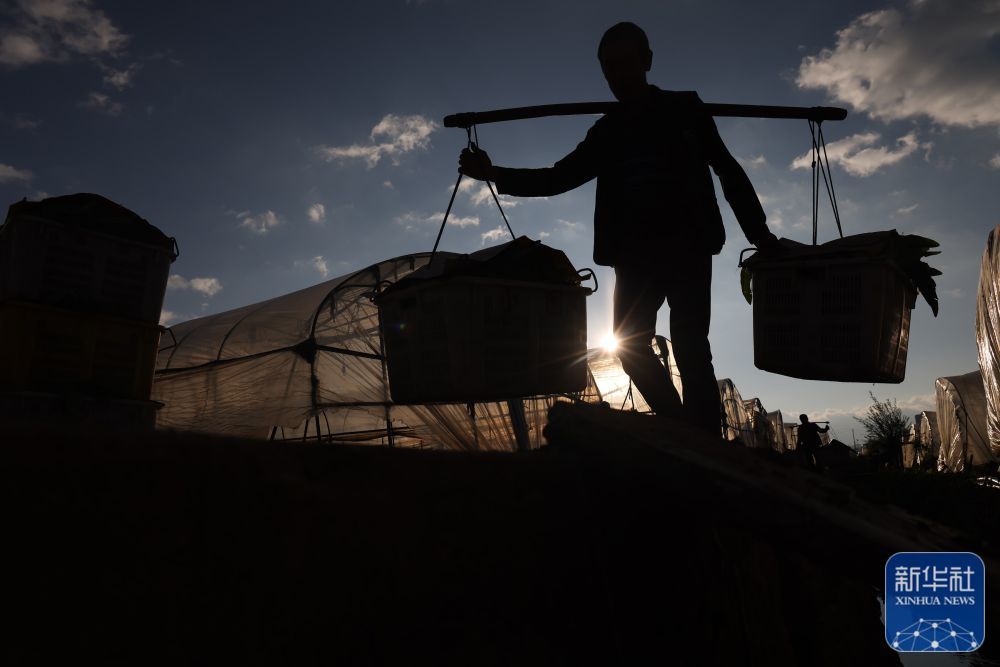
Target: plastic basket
[76, 268]
[465, 339]
[847, 321]
[47, 349]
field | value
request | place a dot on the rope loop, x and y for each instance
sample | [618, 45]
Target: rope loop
[820, 158]
[490, 186]
[472, 144]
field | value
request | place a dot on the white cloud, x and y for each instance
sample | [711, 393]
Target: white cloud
[261, 223]
[494, 235]
[167, 317]
[56, 30]
[774, 211]
[370, 154]
[754, 162]
[388, 185]
[566, 229]
[917, 403]
[102, 103]
[858, 155]
[930, 58]
[955, 292]
[9, 174]
[995, 161]
[479, 193]
[391, 137]
[206, 286]
[316, 213]
[25, 123]
[570, 226]
[906, 210]
[909, 406]
[459, 221]
[409, 219]
[827, 414]
[121, 79]
[167, 56]
[316, 263]
[543, 235]
[17, 50]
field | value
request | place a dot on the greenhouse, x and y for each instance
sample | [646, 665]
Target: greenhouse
[736, 425]
[309, 365]
[988, 335]
[961, 420]
[778, 433]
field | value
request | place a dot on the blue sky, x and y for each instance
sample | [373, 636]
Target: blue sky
[286, 143]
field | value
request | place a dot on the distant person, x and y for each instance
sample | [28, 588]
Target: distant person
[656, 219]
[808, 443]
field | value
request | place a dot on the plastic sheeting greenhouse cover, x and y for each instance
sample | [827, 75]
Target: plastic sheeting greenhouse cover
[310, 361]
[779, 434]
[922, 443]
[737, 425]
[988, 334]
[760, 427]
[961, 418]
[929, 436]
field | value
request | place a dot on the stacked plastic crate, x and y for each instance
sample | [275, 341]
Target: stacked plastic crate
[82, 281]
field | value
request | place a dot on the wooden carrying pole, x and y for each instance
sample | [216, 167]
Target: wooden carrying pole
[470, 118]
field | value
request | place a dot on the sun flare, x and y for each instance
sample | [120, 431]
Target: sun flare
[609, 343]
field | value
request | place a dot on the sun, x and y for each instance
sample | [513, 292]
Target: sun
[609, 342]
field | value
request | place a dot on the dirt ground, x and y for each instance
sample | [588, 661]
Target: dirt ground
[186, 549]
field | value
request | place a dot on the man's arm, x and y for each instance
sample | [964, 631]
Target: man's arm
[572, 171]
[736, 186]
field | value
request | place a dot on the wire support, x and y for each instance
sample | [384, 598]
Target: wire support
[821, 159]
[475, 133]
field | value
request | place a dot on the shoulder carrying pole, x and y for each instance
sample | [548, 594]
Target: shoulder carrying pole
[470, 118]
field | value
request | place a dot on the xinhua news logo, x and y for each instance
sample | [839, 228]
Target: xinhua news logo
[935, 602]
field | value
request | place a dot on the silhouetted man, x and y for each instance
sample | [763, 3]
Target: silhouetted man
[656, 219]
[808, 440]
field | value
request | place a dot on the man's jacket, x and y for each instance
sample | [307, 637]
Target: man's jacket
[808, 436]
[655, 194]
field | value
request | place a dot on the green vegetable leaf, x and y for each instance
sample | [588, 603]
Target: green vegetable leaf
[746, 280]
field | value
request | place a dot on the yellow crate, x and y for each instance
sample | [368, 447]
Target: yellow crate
[47, 349]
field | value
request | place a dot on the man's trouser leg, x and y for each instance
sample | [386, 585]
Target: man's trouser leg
[689, 295]
[638, 295]
[808, 452]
